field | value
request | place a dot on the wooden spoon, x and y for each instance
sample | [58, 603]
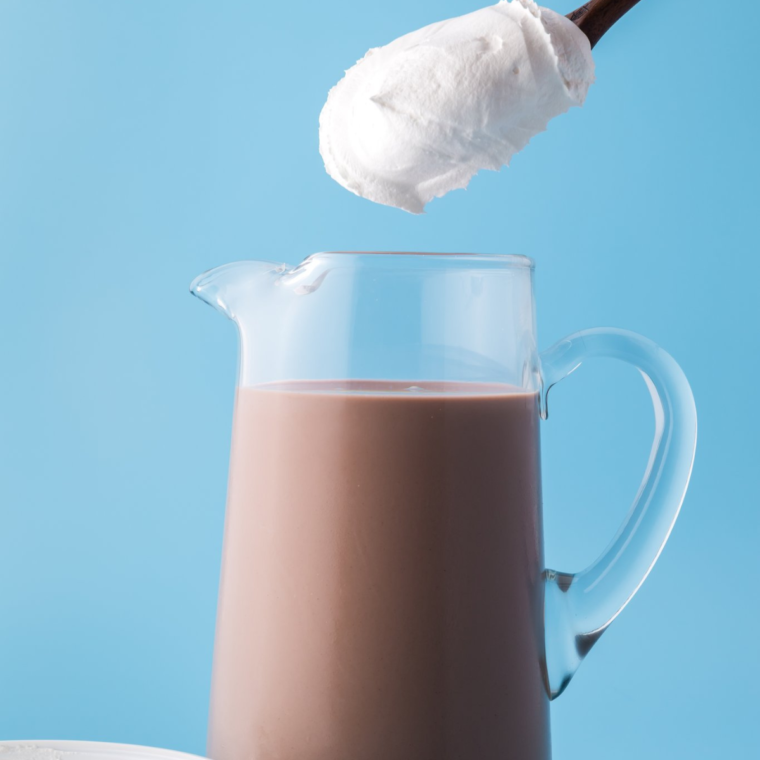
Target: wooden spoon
[596, 17]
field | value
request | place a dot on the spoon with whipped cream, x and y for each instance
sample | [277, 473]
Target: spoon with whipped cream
[419, 117]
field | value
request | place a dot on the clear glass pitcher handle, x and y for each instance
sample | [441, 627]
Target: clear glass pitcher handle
[579, 607]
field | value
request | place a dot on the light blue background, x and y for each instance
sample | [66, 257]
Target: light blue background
[143, 142]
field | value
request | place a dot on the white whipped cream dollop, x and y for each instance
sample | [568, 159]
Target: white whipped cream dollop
[419, 117]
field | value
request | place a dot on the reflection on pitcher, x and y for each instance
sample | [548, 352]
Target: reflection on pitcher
[383, 592]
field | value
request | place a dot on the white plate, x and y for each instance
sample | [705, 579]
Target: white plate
[30, 749]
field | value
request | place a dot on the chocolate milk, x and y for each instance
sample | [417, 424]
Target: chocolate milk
[381, 594]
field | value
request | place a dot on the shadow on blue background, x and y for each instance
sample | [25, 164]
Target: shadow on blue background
[141, 143]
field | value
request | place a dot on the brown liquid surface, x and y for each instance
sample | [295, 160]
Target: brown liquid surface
[381, 595]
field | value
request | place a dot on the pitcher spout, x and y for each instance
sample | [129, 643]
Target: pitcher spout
[226, 286]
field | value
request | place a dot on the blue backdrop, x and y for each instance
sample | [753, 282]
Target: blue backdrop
[143, 142]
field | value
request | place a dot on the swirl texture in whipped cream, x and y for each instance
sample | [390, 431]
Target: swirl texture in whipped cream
[422, 115]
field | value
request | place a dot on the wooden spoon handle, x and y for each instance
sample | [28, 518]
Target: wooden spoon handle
[596, 17]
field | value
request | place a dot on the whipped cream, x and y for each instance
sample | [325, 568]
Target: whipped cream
[421, 116]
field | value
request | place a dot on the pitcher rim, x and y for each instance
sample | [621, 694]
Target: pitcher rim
[515, 260]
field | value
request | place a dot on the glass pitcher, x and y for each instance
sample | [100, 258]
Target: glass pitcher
[383, 591]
